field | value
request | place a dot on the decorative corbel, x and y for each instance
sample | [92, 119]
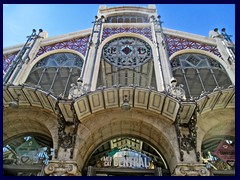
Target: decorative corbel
[187, 134]
[66, 130]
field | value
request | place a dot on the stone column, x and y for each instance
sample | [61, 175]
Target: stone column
[90, 61]
[162, 54]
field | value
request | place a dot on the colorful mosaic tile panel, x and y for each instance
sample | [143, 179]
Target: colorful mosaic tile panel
[109, 31]
[176, 44]
[7, 61]
[79, 44]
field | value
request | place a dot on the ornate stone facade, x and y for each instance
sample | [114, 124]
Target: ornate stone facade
[132, 90]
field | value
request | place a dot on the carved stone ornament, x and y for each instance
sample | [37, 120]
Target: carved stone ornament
[191, 170]
[62, 168]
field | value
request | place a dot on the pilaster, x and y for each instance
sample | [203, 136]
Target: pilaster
[162, 53]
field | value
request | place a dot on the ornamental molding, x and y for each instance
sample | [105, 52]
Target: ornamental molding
[197, 51]
[121, 10]
[62, 168]
[37, 59]
[191, 170]
[108, 98]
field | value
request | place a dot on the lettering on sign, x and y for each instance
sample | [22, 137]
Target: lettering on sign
[133, 162]
[225, 152]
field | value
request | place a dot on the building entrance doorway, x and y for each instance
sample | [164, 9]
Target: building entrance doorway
[126, 156]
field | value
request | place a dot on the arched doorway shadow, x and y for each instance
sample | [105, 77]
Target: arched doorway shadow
[217, 139]
[126, 156]
[100, 128]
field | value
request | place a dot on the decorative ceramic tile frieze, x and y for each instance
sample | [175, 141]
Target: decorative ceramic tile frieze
[78, 44]
[7, 61]
[109, 31]
[175, 44]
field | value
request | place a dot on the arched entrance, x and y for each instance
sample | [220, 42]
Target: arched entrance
[27, 154]
[116, 130]
[28, 141]
[125, 156]
[218, 141]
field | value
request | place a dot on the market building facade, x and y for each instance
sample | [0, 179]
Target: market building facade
[127, 97]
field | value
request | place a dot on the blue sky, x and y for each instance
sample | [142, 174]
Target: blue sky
[58, 19]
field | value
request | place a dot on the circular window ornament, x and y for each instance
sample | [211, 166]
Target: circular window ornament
[127, 52]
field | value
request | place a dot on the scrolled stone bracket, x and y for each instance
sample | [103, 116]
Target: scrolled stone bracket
[62, 168]
[191, 170]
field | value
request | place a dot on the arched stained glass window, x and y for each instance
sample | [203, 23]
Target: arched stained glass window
[127, 61]
[56, 72]
[199, 73]
[127, 52]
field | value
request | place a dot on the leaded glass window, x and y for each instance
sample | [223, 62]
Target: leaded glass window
[127, 61]
[199, 73]
[127, 52]
[56, 72]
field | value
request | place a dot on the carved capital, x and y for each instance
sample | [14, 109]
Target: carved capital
[62, 168]
[191, 170]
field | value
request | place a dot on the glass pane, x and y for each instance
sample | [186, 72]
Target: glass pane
[64, 61]
[193, 82]
[222, 78]
[207, 79]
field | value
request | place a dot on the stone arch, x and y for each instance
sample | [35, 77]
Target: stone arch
[39, 58]
[110, 38]
[26, 120]
[101, 127]
[218, 59]
[222, 124]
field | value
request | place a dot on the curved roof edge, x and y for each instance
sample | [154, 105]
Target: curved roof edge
[103, 9]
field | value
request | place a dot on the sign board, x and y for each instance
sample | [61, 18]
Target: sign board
[126, 159]
[225, 152]
[132, 162]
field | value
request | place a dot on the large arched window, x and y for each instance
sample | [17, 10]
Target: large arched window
[56, 72]
[127, 61]
[199, 73]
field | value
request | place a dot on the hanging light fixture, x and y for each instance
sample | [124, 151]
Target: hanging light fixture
[125, 105]
[14, 103]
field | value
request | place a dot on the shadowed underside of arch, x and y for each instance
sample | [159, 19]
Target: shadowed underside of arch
[28, 120]
[103, 127]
